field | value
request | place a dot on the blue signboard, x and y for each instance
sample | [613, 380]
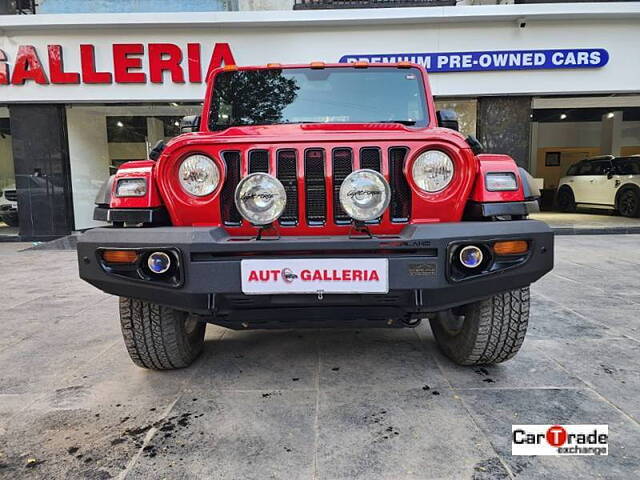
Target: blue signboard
[493, 60]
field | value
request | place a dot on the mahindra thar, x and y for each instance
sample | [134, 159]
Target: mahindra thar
[313, 196]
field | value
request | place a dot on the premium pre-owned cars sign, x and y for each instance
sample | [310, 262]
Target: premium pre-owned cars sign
[495, 60]
[186, 66]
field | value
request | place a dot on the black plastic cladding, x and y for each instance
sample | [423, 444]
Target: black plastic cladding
[491, 263]
[174, 278]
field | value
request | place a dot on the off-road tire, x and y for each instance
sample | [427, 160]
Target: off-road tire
[566, 201]
[489, 331]
[628, 203]
[160, 338]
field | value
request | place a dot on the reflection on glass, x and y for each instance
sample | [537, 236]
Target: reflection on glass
[8, 194]
[306, 95]
[466, 110]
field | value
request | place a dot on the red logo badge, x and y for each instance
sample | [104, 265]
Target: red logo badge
[556, 436]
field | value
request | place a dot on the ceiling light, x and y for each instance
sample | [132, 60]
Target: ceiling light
[563, 116]
[120, 124]
[173, 104]
[610, 115]
[177, 124]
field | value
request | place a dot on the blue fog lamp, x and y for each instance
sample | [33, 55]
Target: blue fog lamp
[470, 256]
[159, 262]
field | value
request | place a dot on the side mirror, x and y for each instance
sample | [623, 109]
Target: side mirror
[157, 149]
[610, 174]
[448, 119]
[190, 123]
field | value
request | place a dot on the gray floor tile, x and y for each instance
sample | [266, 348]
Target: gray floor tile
[495, 411]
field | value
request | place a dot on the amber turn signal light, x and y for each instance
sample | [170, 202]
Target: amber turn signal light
[119, 256]
[511, 247]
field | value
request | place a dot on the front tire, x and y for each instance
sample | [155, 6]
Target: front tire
[486, 332]
[158, 337]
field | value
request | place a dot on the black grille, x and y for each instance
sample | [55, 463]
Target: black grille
[258, 161]
[290, 169]
[230, 214]
[316, 198]
[287, 174]
[370, 158]
[400, 205]
[342, 166]
[11, 195]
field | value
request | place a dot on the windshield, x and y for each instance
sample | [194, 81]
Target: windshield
[306, 95]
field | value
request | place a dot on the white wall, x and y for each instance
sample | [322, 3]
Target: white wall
[127, 151]
[89, 155]
[570, 134]
[300, 37]
[582, 134]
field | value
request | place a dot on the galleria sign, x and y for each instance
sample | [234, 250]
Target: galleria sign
[127, 66]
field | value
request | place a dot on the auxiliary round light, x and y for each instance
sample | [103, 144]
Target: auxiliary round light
[260, 198]
[432, 171]
[199, 175]
[159, 262]
[471, 256]
[364, 194]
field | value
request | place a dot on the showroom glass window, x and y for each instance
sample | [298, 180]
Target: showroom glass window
[306, 95]
[8, 193]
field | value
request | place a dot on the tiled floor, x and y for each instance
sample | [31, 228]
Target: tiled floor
[368, 404]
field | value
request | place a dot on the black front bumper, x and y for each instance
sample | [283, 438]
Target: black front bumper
[420, 272]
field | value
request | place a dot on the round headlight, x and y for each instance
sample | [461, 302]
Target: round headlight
[260, 198]
[432, 171]
[199, 175]
[364, 194]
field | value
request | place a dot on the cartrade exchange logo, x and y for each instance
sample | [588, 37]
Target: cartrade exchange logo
[560, 440]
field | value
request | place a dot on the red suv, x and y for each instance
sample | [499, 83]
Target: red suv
[313, 196]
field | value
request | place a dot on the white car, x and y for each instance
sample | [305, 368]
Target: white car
[9, 206]
[607, 182]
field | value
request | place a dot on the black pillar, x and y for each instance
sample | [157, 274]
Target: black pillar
[43, 179]
[503, 126]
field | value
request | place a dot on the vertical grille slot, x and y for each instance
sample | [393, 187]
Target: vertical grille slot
[286, 173]
[400, 205]
[370, 158]
[258, 161]
[315, 189]
[342, 166]
[230, 214]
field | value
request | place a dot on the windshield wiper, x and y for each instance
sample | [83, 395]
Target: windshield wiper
[402, 122]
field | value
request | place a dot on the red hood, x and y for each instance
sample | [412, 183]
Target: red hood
[320, 132]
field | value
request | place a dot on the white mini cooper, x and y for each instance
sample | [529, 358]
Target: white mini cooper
[607, 182]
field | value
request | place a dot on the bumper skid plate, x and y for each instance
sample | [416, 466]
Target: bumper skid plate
[410, 273]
